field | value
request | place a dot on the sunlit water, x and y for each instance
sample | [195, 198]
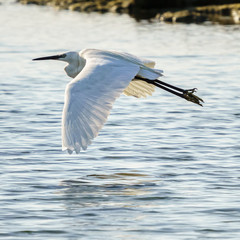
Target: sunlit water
[161, 168]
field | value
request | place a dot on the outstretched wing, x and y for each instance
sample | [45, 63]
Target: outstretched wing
[89, 98]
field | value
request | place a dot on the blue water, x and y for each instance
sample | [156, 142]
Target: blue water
[161, 168]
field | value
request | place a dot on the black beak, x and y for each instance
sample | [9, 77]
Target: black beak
[55, 57]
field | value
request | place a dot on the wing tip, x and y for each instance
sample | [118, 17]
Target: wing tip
[77, 149]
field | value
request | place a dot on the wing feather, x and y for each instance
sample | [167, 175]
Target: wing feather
[138, 88]
[89, 98]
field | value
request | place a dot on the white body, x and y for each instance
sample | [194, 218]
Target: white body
[99, 77]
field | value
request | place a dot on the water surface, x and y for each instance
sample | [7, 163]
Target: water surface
[161, 168]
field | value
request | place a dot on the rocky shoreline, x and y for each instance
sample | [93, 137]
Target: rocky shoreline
[190, 12]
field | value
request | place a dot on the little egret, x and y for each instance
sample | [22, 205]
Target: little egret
[99, 77]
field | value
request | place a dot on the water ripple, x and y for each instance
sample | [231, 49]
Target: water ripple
[161, 168]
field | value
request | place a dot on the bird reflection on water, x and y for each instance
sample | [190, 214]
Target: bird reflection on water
[108, 189]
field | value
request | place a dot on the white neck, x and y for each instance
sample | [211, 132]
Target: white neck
[75, 66]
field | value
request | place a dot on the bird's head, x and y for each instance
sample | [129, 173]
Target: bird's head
[75, 62]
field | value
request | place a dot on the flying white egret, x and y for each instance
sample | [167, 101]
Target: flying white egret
[99, 77]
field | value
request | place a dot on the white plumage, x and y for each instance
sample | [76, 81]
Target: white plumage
[99, 77]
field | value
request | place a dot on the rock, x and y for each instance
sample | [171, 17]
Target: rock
[151, 9]
[37, 2]
[83, 7]
[224, 14]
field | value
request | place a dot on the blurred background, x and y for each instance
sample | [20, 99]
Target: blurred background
[162, 167]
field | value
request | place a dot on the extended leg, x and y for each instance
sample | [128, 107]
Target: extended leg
[186, 94]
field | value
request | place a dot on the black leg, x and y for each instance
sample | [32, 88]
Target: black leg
[186, 94]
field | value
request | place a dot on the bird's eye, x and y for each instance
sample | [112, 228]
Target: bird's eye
[63, 55]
